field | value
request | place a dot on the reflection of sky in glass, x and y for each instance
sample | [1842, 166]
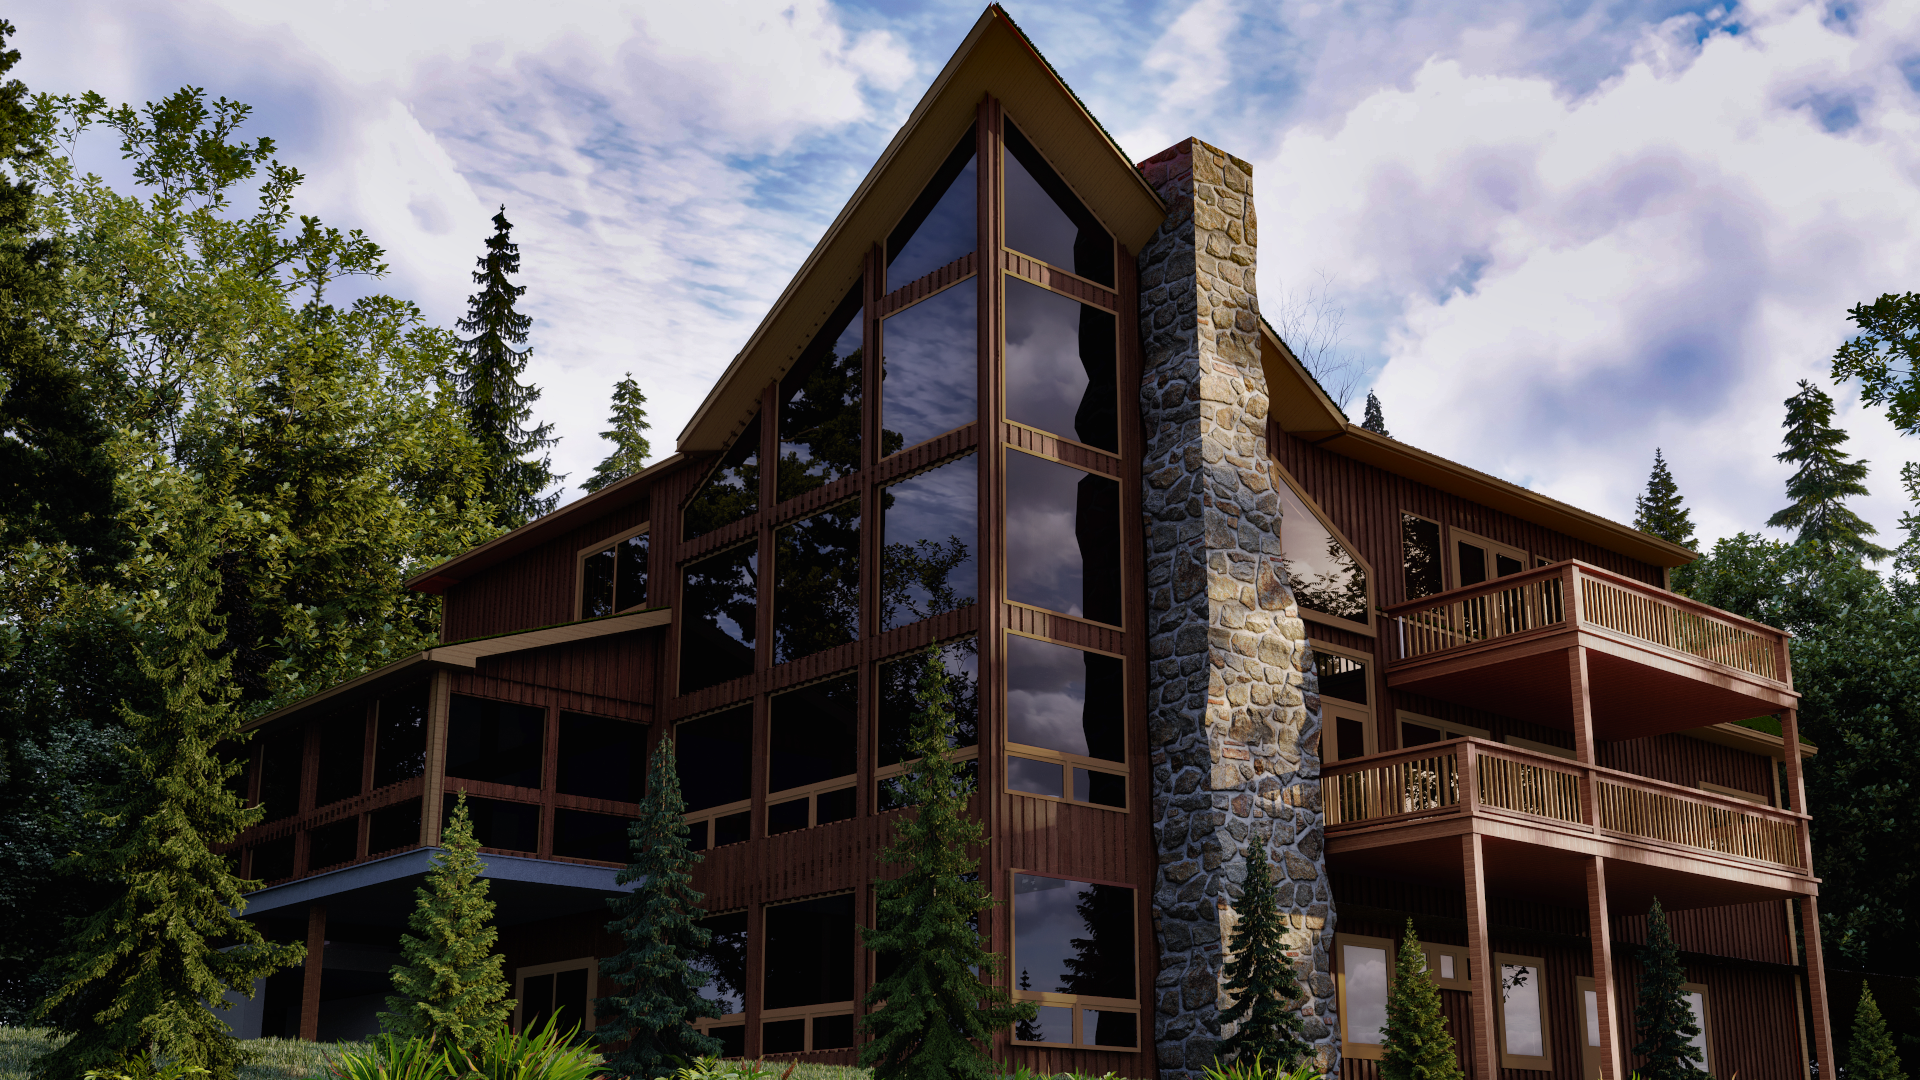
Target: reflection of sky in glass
[1047, 379]
[1324, 576]
[1047, 696]
[929, 382]
[949, 232]
[1034, 777]
[1044, 922]
[1520, 1014]
[1699, 1008]
[725, 962]
[1045, 563]
[920, 514]
[1035, 223]
[1366, 1004]
[1593, 1017]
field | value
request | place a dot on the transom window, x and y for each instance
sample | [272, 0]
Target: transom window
[613, 575]
[1346, 713]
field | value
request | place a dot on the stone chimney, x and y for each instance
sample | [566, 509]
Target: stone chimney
[1233, 709]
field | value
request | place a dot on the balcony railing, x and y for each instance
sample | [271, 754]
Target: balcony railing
[1469, 776]
[1576, 595]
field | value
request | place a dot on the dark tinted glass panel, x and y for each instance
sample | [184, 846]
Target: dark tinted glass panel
[1063, 538]
[833, 1032]
[1325, 576]
[812, 733]
[343, 746]
[1051, 1023]
[602, 758]
[697, 836]
[273, 860]
[1502, 565]
[718, 607]
[715, 757]
[1100, 788]
[1351, 736]
[1061, 357]
[280, 772]
[929, 381]
[929, 525]
[1047, 221]
[1065, 699]
[1034, 777]
[816, 587]
[570, 1000]
[820, 405]
[732, 490]
[1420, 550]
[733, 1039]
[1103, 1028]
[1473, 564]
[790, 816]
[498, 742]
[833, 806]
[1341, 677]
[732, 829]
[810, 952]
[630, 572]
[900, 697]
[331, 845]
[578, 834]
[724, 961]
[890, 793]
[536, 1001]
[394, 828]
[1419, 735]
[941, 225]
[400, 740]
[509, 826]
[596, 584]
[783, 1036]
[1073, 937]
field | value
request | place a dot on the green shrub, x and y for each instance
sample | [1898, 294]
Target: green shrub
[1242, 1069]
[389, 1057]
[540, 1055]
[142, 1066]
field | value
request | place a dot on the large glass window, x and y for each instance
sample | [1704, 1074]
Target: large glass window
[929, 522]
[808, 1001]
[719, 607]
[496, 742]
[394, 828]
[558, 993]
[1361, 971]
[820, 406]
[714, 754]
[1066, 722]
[1048, 502]
[582, 834]
[280, 761]
[601, 758]
[1047, 221]
[1061, 357]
[499, 824]
[929, 374]
[942, 224]
[899, 692]
[1420, 555]
[724, 962]
[400, 736]
[1325, 576]
[343, 747]
[1522, 1012]
[816, 586]
[332, 844]
[614, 578]
[1073, 955]
[812, 754]
[732, 490]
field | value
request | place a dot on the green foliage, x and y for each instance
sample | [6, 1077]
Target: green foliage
[628, 435]
[388, 1057]
[937, 1007]
[1662, 1019]
[1419, 1046]
[713, 1068]
[1255, 1069]
[1824, 481]
[1266, 990]
[143, 1066]
[1660, 510]
[1872, 1056]
[658, 923]
[449, 989]
[498, 404]
[1375, 420]
[1885, 357]
[546, 1054]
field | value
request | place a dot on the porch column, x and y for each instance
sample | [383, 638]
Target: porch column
[1809, 906]
[310, 974]
[1486, 1057]
[1583, 747]
[1600, 935]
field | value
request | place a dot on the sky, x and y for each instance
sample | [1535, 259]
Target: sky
[1551, 236]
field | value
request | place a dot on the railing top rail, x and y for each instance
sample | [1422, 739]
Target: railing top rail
[1694, 795]
[1550, 762]
[1485, 588]
[1392, 757]
[1675, 599]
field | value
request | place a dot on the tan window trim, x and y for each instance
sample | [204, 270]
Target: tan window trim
[1589, 1051]
[521, 975]
[1360, 1050]
[1077, 1038]
[1067, 763]
[1537, 975]
[1076, 1002]
[711, 816]
[1457, 535]
[1447, 728]
[811, 793]
[580, 568]
[1706, 1019]
[1331, 708]
[1462, 965]
[1369, 628]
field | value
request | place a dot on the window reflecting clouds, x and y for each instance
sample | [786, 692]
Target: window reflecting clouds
[942, 224]
[1060, 365]
[1324, 575]
[816, 588]
[1066, 699]
[820, 410]
[732, 490]
[1073, 937]
[1047, 221]
[717, 621]
[929, 523]
[812, 734]
[929, 373]
[1063, 538]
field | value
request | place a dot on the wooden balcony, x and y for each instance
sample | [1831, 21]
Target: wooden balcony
[1400, 815]
[1657, 662]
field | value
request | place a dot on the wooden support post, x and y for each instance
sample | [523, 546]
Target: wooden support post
[1486, 1057]
[1600, 936]
[310, 975]
[434, 784]
[1817, 988]
[1583, 747]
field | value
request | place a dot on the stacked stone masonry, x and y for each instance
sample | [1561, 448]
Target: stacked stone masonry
[1233, 712]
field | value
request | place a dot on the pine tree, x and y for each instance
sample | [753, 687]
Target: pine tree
[630, 447]
[1663, 1018]
[1376, 420]
[450, 987]
[1261, 977]
[1418, 1044]
[1825, 481]
[937, 1007]
[498, 405]
[1661, 510]
[140, 968]
[659, 922]
[1872, 1056]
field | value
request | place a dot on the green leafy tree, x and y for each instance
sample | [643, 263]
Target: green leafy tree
[1663, 1018]
[1266, 990]
[628, 435]
[449, 986]
[498, 404]
[1825, 480]
[936, 1008]
[140, 969]
[1376, 419]
[1418, 1045]
[659, 924]
[1872, 1055]
[1885, 357]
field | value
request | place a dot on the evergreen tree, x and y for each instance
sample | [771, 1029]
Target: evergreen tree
[1872, 1056]
[1418, 1044]
[1663, 1018]
[1375, 421]
[1825, 480]
[630, 448]
[498, 404]
[1261, 977]
[140, 969]
[660, 925]
[936, 1007]
[450, 989]
[1660, 510]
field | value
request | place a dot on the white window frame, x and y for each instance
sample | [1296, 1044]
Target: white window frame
[1537, 967]
[522, 974]
[1348, 1046]
[580, 568]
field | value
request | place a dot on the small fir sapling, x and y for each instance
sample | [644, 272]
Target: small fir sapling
[1872, 1055]
[1261, 977]
[1663, 1018]
[1418, 1045]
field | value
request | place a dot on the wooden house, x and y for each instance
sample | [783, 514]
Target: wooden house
[1019, 406]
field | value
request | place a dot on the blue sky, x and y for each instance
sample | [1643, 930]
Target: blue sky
[1552, 236]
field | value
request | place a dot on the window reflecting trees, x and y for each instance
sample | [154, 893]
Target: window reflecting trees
[820, 406]
[731, 491]
[614, 578]
[1061, 358]
[816, 588]
[719, 602]
[1075, 938]
[1324, 575]
[929, 523]
[1047, 503]
[929, 376]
